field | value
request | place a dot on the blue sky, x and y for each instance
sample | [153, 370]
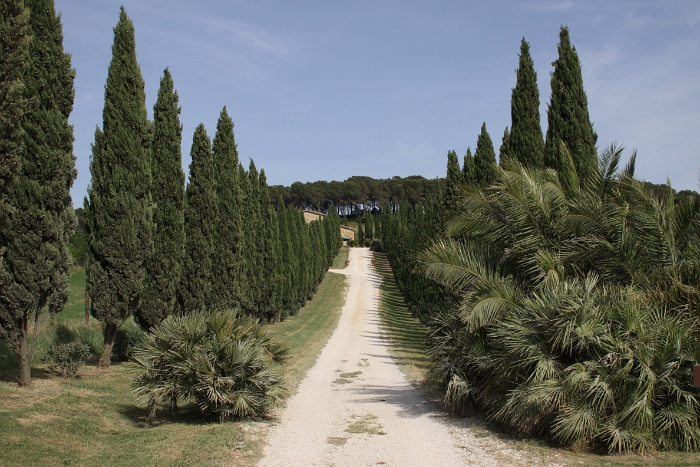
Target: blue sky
[323, 90]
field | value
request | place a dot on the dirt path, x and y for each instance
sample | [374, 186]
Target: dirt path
[355, 408]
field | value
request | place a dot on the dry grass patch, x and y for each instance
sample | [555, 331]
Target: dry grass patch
[366, 424]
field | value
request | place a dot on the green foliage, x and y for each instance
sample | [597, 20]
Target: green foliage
[570, 321]
[66, 359]
[367, 243]
[468, 169]
[228, 233]
[485, 168]
[36, 213]
[376, 245]
[453, 182]
[128, 337]
[201, 208]
[118, 211]
[525, 141]
[164, 265]
[568, 121]
[225, 364]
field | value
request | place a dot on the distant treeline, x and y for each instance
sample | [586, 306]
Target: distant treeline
[358, 194]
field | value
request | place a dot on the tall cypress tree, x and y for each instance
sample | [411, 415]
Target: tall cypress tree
[526, 143]
[485, 168]
[226, 281]
[286, 265]
[118, 218]
[503, 152]
[201, 212]
[35, 234]
[567, 114]
[270, 299]
[468, 169]
[453, 182]
[164, 265]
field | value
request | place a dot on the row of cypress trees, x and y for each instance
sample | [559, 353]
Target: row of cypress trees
[570, 139]
[156, 248]
[37, 169]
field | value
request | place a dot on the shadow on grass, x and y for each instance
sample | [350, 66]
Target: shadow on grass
[407, 336]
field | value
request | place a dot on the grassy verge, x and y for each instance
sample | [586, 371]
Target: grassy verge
[340, 258]
[409, 339]
[93, 419]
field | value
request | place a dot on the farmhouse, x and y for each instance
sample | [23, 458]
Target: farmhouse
[347, 233]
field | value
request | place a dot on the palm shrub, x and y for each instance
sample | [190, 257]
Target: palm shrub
[224, 363]
[577, 316]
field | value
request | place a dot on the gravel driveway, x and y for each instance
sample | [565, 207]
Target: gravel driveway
[355, 408]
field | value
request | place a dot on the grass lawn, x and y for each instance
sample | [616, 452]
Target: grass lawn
[93, 419]
[409, 338]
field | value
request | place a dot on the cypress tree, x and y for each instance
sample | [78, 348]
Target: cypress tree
[164, 266]
[567, 114]
[37, 215]
[469, 169]
[118, 218]
[286, 263]
[270, 298]
[226, 281]
[485, 168]
[525, 143]
[503, 154]
[453, 182]
[201, 212]
[248, 280]
[14, 40]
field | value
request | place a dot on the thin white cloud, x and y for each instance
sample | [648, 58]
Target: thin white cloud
[549, 6]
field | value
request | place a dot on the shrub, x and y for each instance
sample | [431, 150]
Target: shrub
[351, 243]
[125, 342]
[224, 363]
[367, 242]
[377, 246]
[66, 359]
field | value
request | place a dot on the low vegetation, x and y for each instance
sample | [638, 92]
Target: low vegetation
[95, 418]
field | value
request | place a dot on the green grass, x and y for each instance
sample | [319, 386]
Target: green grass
[407, 335]
[94, 420]
[340, 258]
[408, 339]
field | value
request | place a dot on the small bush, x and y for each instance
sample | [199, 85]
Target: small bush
[351, 243]
[66, 359]
[367, 242]
[126, 341]
[377, 246]
[224, 363]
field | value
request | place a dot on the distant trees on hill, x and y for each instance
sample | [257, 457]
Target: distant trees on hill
[357, 194]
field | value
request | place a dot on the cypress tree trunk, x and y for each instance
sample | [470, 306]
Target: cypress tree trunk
[23, 351]
[110, 332]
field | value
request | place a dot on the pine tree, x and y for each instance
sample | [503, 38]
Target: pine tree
[453, 182]
[469, 169]
[201, 212]
[567, 114]
[164, 265]
[118, 219]
[485, 168]
[226, 281]
[526, 143]
[37, 99]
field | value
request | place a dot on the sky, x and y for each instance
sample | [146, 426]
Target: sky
[325, 89]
